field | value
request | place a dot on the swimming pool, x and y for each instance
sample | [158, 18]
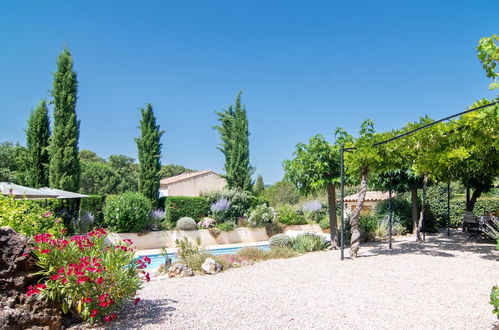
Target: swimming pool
[157, 259]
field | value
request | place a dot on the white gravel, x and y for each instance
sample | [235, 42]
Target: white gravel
[441, 284]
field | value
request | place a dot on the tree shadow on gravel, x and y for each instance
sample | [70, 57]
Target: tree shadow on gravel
[146, 312]
[439, 245]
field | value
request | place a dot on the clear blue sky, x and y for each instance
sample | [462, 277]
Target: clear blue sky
[304, 67]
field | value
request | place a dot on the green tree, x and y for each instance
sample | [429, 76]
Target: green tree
[259, 186]
[282, 192]
[149, 150]
[172, 170]
[316, 166]
[37, 144]
[9, 164]
[233, 130]
[488, 54]
[90, 156]
[98, 178]
[128, 172]
[64, 160]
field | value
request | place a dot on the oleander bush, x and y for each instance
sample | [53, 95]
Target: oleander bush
[28, 217]
[186, 223]
[87, 277]
[261, 216]
[280, 240]
[287, 215]
[308, 242]
[127, 212]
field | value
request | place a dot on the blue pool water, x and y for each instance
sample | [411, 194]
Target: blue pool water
[157, 259]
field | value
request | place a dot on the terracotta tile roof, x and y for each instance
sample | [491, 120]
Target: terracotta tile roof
[370, 196]
[185, 176]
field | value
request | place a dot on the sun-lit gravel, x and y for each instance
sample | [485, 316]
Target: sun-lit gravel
[441, 284]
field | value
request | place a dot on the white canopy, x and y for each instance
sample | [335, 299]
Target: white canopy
[61, 194]
[7, 188]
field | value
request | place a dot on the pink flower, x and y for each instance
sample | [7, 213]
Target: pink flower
[47, 214]
[93, 313]
[64, 281]
[24, 254]
[54, 277]
[45, 251]
[107, 318]
[136, 301]
[99, 280]
[86, 300]
[113, 316]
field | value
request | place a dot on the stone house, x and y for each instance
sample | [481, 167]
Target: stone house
[372, 199]
[192, 184]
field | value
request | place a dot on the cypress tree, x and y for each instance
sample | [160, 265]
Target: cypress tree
[149, 149]
[64, 159]
[234, 133]
[259, 186]
[37, 144]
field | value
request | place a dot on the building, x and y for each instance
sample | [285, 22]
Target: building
[372, 199]
[191, 184]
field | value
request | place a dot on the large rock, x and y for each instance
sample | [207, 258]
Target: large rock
[179, 270]
[17, 311]
[210, 266]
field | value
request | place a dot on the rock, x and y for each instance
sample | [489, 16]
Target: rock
[179, 270]
[210, 266]
[17, 268]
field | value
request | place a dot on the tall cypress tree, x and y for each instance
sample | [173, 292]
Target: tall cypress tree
[149, 149]
[234, 133]
[37, 144]
[64, 160]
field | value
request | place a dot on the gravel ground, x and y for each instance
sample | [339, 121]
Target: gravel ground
[441, 284]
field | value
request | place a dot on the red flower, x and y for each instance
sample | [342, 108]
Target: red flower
[41, 286]
[146, 259]
[61, 271]
[103, 297]
[128, 241]
[32, 290]
[24, 254]
[99, 280]
[136, 301]
[64, 281]
[54, 277]
[113, 316]
[83, 280]
[86, 300]
[45, 251]
[107, 318]
[93, 313]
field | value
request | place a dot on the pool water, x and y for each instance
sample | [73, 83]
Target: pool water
[157, 259]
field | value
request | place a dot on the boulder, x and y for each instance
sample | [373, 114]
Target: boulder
[210, 266]
[17, 268]
[179, 270]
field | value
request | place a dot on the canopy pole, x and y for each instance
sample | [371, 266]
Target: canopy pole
[390, 218]
[448, 208]
[342, 202]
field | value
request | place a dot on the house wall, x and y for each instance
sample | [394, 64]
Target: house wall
[366, 208]
[196, 185]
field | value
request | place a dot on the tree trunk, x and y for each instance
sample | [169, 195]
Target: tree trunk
[354, 222]
[415, 215]
[471, 203]
[423, 207]
[333, 228]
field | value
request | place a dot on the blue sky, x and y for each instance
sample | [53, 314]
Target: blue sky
[305, 67]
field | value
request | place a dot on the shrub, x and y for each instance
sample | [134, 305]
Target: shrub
[280, 240]
[368, 223]
[494, 300]
[226, 226]
[206, 223]
[185, 248]
[309, 242]
[281, 253]
[401, 209]
[186, 223]
[313, 210]
[82, 274]
[282, 192]
[196, 260]
[287, 215]
[127, 212]
[94, 204]
[28, 217]
[182, 206]
[220, 209]
[240, 202]
[155, 219]
[84, 223]
[261, 215]
[324, 222]
[251, 253]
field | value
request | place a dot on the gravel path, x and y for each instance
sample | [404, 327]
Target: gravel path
[441, 284]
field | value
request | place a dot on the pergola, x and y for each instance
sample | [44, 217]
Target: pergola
[342, 184]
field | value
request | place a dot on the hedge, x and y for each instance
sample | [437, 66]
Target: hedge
[95, 205]
[177, 207]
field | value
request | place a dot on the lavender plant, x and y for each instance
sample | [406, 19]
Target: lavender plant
[312, 210]
[219, 209]
[156, 217]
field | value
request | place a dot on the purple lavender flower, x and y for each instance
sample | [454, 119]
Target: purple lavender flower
[312, 206]
[220, 206]
[157, 214]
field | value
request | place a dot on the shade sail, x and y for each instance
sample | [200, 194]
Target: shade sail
[7, 188]
[62, 194]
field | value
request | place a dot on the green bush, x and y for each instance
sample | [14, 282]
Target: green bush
[240, 202]
[324, 222]
[186, 223]
[183, 206]
[82, 272]
[401, 208]
[127, 212]
[28, 217]
[287, 215]
[94, 204]
[281, 253]
[280, 240]
[368, 224]
[261, 216]
[309, 242]
[494, 300]
[226, 226]
[196, 260]
[251, 253]
[282, 192]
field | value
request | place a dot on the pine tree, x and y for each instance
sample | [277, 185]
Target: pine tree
[149, 149]
[37, 143]
[64, 160]
[234, 134]
[259, 186]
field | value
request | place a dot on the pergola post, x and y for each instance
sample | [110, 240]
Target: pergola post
[448, 208]
[390, 217]
[342, 202]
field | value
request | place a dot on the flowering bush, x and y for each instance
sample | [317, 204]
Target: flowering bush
[155, 218]
[28, 217]
[240, 203]
[87, 277]
[312, 210]
[261, 215]
[206, 223]
[219, 209]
